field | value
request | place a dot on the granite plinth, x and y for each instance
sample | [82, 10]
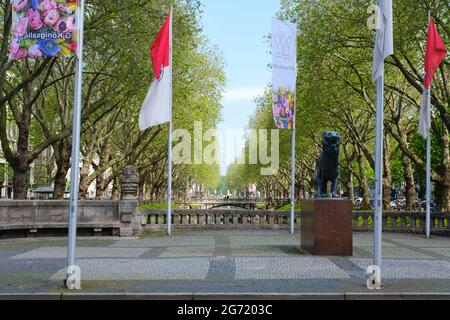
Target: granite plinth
[326, 227]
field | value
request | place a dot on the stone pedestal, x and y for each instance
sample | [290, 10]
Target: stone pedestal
[131, 221]
[326, 227]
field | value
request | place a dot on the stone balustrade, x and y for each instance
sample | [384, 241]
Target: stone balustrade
[407, 222]
[124, 218]
[217, 219]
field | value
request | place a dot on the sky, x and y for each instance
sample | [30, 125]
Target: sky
[238, 28]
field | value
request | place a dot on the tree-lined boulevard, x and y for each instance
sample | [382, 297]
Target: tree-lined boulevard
[334, 92]
[36, 101]
[121, 102]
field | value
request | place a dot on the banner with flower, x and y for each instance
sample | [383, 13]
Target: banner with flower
[284, 70]
[43, 28]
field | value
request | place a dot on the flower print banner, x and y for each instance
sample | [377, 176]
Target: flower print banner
[43, 28]
[284, 68]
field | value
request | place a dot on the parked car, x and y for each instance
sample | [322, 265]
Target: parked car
[433, 205]
[398, 204]
[358, 202]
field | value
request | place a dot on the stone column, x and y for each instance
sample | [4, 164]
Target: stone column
[131, 222]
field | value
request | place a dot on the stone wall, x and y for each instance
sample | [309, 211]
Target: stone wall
[48, 217]
[34, 218]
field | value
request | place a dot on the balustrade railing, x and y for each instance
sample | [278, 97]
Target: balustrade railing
[398, 221]
[407, 222]
[238, 219]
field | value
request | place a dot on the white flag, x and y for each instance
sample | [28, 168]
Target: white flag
[384, 43]
[425, 114]
[156, 107]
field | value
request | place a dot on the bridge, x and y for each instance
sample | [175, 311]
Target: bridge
[235, 202]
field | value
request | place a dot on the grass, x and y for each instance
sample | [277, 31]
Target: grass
[288, 208]
[157, 206]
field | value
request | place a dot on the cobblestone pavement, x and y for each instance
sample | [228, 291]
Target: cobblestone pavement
[222, 262]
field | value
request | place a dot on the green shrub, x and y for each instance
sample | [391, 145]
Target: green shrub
[288, 208]
[156, 206]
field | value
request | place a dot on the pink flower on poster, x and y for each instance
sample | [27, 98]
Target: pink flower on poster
[21, 27]
[19, 5]
[51, 17]
[16, 52]
[62, 7]
[34, 18]
[48, 5]
[67, 25]
[34, 51]
[43, 28]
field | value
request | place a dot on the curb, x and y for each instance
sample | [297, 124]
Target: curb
[31, 296]
[223, 296]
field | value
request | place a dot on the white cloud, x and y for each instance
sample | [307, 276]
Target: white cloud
[242, 94]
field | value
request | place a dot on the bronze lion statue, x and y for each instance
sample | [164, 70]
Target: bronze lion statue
[327, 168]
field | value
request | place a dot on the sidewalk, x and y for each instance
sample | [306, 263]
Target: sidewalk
[222, 264]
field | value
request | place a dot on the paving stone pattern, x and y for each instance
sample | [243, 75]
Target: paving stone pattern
[221, 262]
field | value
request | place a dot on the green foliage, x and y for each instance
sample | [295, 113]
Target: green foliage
[118, 73]
[288, 208]
[335, 92]
[157, 206]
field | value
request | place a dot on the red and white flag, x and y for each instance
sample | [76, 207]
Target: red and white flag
[156, 107]
[434, 56]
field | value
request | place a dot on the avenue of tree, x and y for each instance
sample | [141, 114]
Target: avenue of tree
[335, 92]
[36, 101]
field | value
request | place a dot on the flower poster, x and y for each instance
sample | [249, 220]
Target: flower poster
[43, 28]
[284, 69]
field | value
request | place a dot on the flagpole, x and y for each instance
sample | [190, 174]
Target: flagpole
[72, 272]
[428, 175]
[293, 177]
[378, 214]
[169, 186]
[428, 189]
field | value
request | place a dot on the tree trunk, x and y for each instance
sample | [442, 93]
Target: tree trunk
[84, 177]
[99, 190]
[364, 185]
[350, 188]
[20, 179]
[60, 182]
[387, 176]
[62, 155]
[116, 190]
[20, 182]
[410, 186]
[444, 186]
[141, 191]
[408, 174]
[100, 187]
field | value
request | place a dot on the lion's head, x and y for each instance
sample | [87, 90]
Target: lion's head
[331, 141]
